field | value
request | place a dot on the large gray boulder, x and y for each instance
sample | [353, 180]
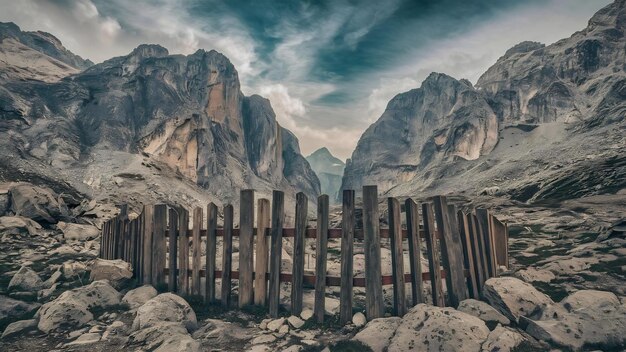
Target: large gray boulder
[429, 328]
[483, 311]
[137, 297]
[26, 280]
[78, 232]
[37, 203]
[72, 309]
[12, 309]
[503, 339]
[377, 333]
[19, 327]
[164, 336]
[116, 271]
[585, 318]
[166, 307]
[514, 298]
[18, 225]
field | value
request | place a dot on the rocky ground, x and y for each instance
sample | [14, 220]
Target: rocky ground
[564, 290]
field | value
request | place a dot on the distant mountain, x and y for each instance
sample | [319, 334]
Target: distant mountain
[329, 170]
[544, 122]
[140, 127]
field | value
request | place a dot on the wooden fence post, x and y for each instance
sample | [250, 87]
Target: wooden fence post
[374, 305]
[483, 227]
[211, 251]
[397, 257]
[196, 251]
[148, 222]
[183, 252]
[468, 255]
[481, 257]
[246, 242]
[158, 245]
[173, 250]
[451, 252]
[278, 208]
[297, 271]
[347, 260]
[321, 250]
[227, 254]
[433, 255]
[415, 253]
[500, 240]
[262, 251]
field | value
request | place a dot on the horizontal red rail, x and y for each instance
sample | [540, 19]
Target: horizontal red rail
[330, 280]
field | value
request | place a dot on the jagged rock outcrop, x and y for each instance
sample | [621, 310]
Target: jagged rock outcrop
[530, 126]
[146, 111]
[329, 170]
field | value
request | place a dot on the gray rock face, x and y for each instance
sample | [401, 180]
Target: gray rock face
[26, 280]
[514, 298]
[536, 107]
[137, 297]
[12, 309]
[186, 112]
[37, 203]
[166, 307]
[117, 272]
[377, 333]
[329, 170]
[78, 232]
[483, 311]
[18, 225]
[19, 327]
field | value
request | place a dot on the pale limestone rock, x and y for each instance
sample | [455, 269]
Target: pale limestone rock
[78, 232]
[483, 311]
[532, 274]
[138, 296]
[514, 298]
[166, 307]
[359, 319]
[18, 328]
[117, 271]
[26, 279]
[295, 322]
[377, 333]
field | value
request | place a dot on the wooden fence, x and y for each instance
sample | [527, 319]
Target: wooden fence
[465, 248]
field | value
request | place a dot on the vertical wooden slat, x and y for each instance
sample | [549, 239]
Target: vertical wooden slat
[433, 255]
[468, 255]
[278, 209]
[102, 240]
[374, 305]
[347, 261]
[262, 251]
[158, 245]
[121, 234]
[139, 269]
[131, 243]
[246, 241]
[480, 263]
[499, 235]
[397, 257]
[483, 227]
[506, 239]
[172, 260]
[297, 270]
[211, 251]
[492, 241]
[148, 221]
[227, 255]
[415, 253]
[183, 252]
[195, 251]
[451, 252]
[321, 250]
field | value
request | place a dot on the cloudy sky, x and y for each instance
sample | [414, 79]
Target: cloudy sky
[329, 67]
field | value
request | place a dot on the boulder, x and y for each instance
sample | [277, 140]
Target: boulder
[37, 203]
[72, 308]
[585, 318]
[117, 271]
[18, 225]
[483, 311]
[78, 232]
[514, 298]
[165, 307]
[164, 336]
[26, 280]
[13, 309]
[296, 322]
[503, 339]
[85, 339]
[378, 333]
[430, 328]
[19, 327]
[358, 319]
[137, 297]
[531, 275]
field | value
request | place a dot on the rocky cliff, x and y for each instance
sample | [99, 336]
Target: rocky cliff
[538, 117]
[329, 170]
[148, 116]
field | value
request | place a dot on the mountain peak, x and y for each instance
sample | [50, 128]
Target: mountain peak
[144, 51]
[612, 15]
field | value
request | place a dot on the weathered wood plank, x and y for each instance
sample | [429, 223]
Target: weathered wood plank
[492, 241]
[211, 252]
[468, 255]
[278, 214]
[158, 245]
[483, 227]
[347, 260]
[172, 260]
[374, 305]
[415, 253]
[500, 239]
[321, 250]
[262, 251]
[298, 253]
[195, 251]
[479, 249]
[246, 242]
[227, 255]
[148, 222]
[183, 252]
[397, 257]
[433, 255]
